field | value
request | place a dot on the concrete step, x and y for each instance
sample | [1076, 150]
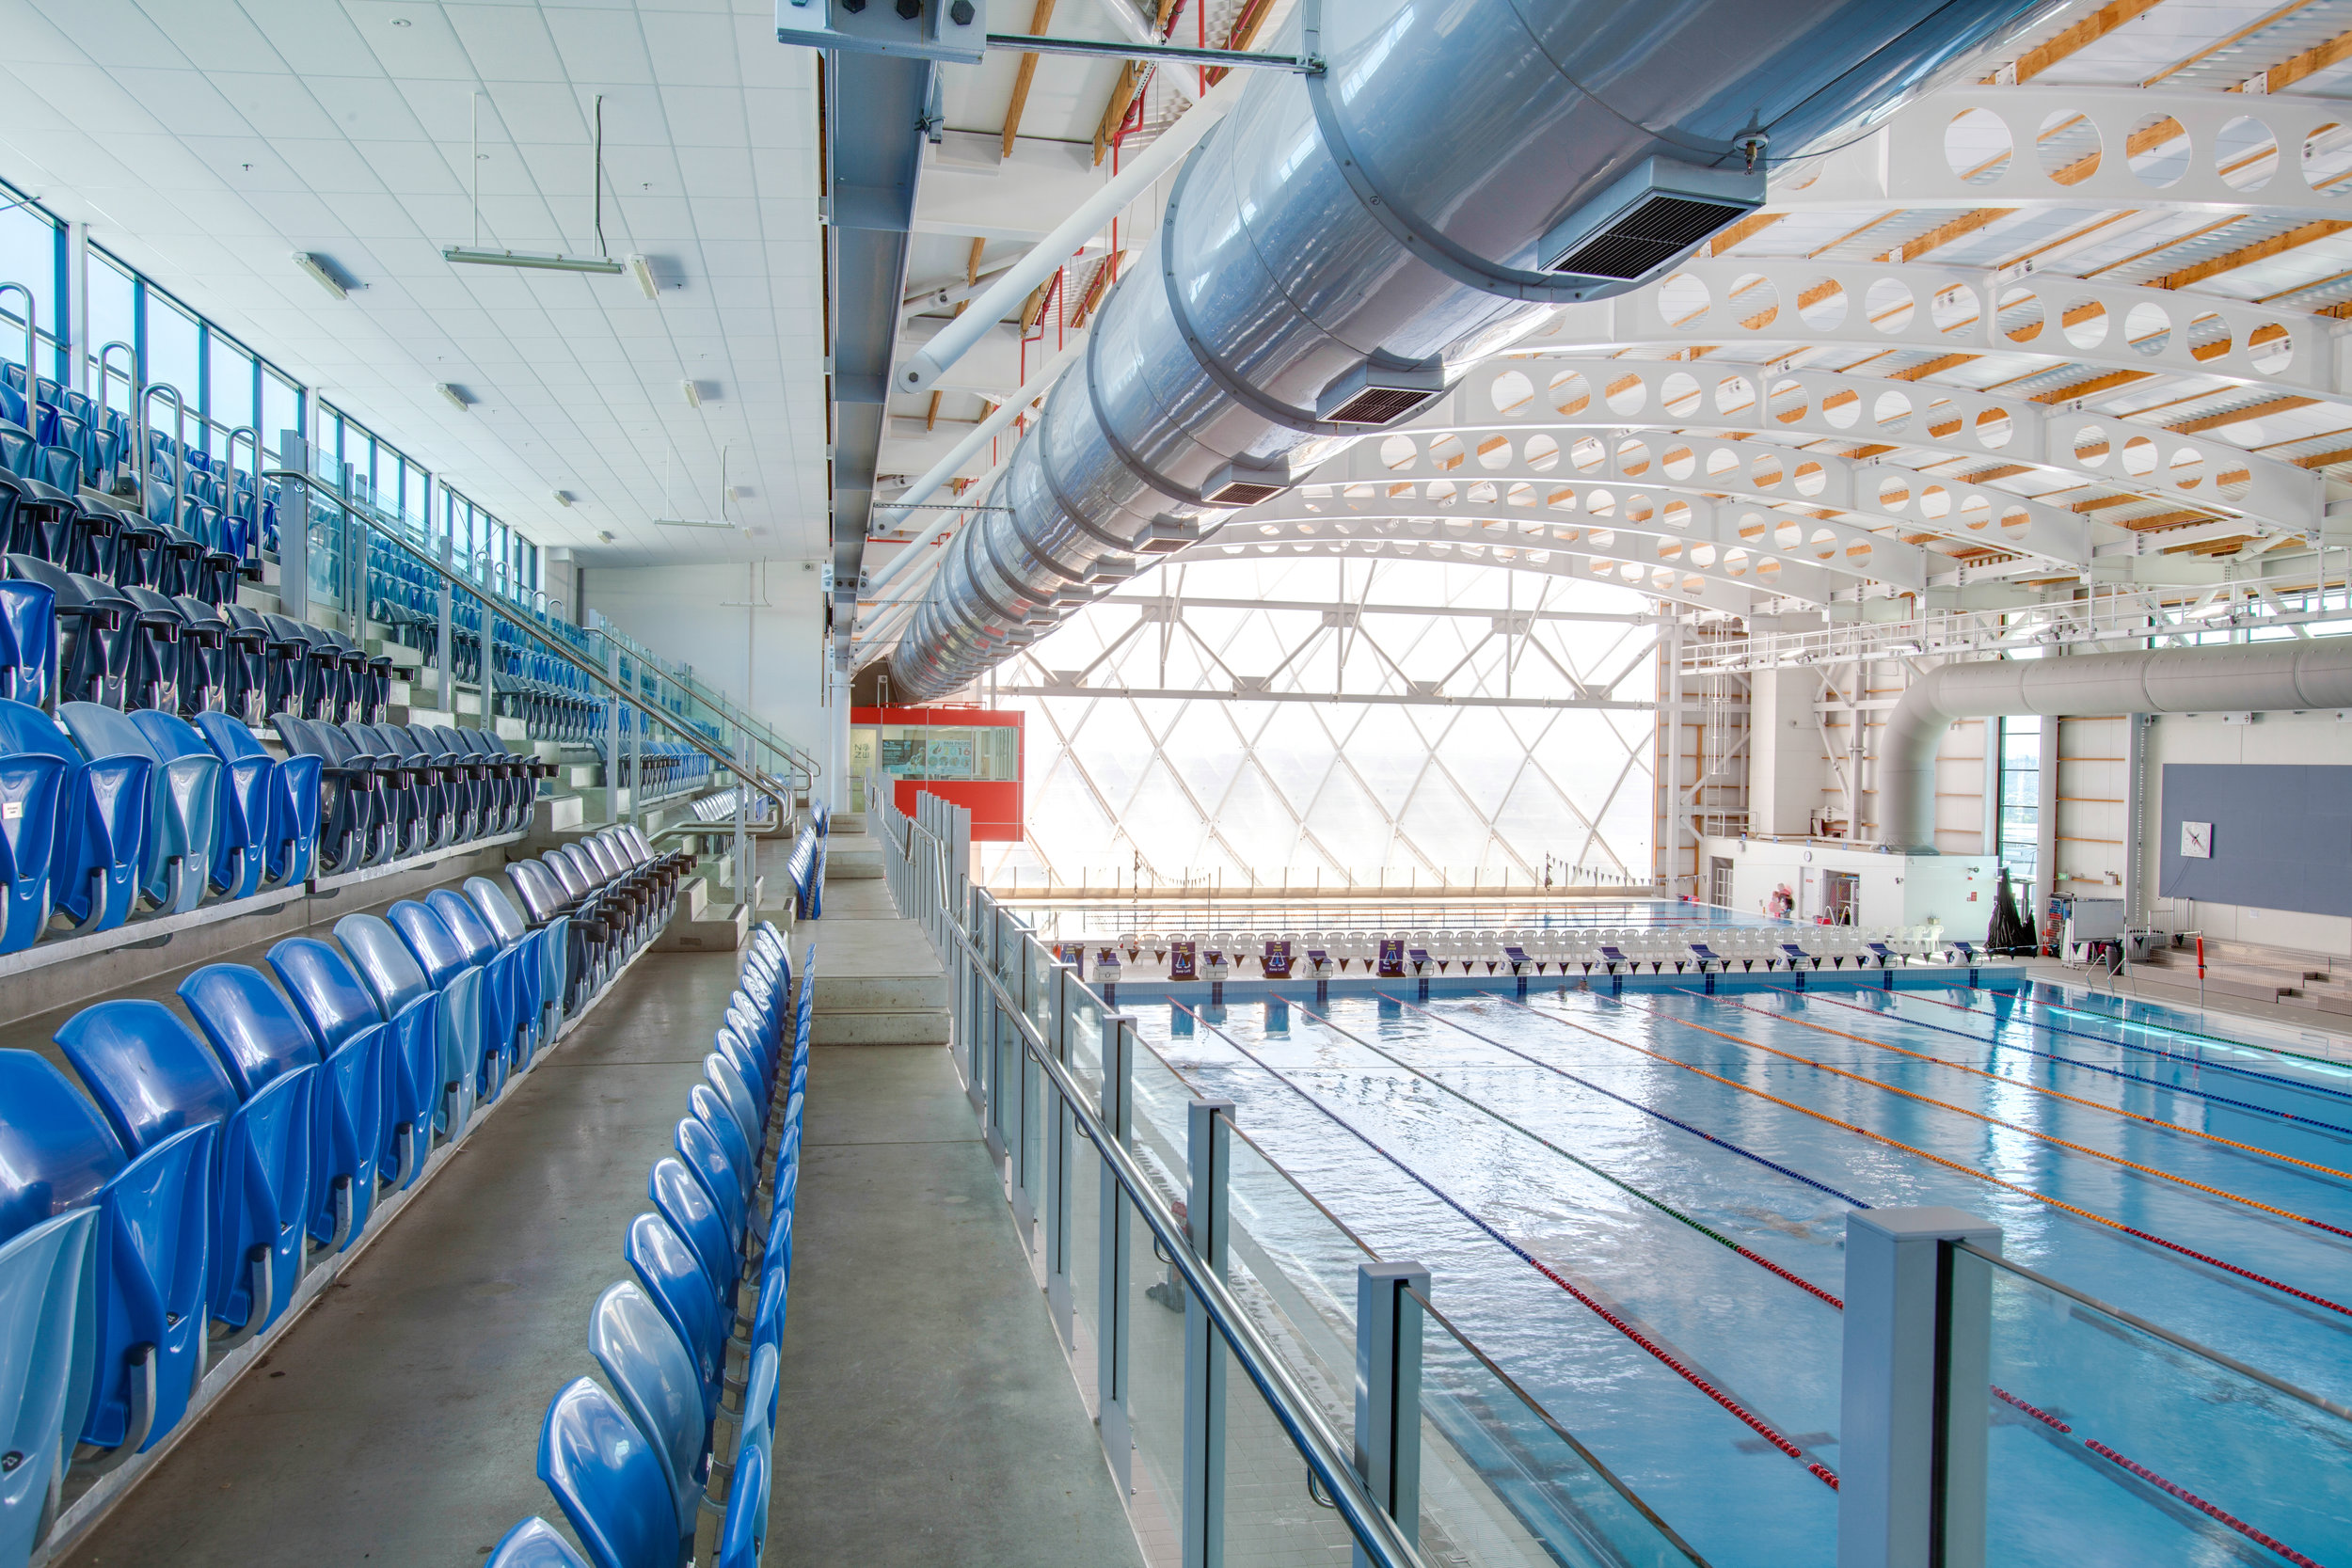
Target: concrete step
[870, 993]
[877, 981]
[851, 861]
[926, 1027]
[700, 925]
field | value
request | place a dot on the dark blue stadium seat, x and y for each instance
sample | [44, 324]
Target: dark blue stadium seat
[680, 1200]
[651, 1371]
[414, 1083]
[293, 835]
[341, 1019]
[534, 1544]
[604, 1474]
[242, 801]
[99, 846]
[151, 1078]
[356, 824]
[31, 784]
[147, 1266]
[705, 1157]
[506, 1017]
[183, 813]
[44, 1321]
[29, 634]
[675, 1280]
[468, 1018]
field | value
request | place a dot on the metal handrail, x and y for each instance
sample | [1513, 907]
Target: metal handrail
[684, 680]
[2203, 1353]
[1325, 1454]
[745, 774]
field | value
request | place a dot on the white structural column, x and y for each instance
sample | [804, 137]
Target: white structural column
[838, 740]
[1915, 1323]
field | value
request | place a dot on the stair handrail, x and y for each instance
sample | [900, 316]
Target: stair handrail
[744, 770]
[685, 680]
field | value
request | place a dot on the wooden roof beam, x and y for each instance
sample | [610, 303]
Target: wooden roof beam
[1039, 21]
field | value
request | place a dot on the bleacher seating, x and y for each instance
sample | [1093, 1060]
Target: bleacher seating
[672, 1464]
[164, 1212]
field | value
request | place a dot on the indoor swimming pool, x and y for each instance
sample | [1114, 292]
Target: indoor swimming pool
[1636, 1206]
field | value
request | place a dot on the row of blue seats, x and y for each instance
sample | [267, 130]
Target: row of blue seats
[807, 867]
[157, 1217]
[99, 440]
[672, 1463]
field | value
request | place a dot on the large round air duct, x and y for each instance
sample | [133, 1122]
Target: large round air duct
[2272, 677]
[1340, 240]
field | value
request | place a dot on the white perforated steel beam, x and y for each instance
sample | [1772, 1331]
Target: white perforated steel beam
[1525, 469]
[1874, 305]
[1921, 158]
[1578, 394]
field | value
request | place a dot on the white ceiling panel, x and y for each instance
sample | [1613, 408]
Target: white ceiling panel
[139, 117]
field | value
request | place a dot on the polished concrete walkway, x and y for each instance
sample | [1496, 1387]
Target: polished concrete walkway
[399, 1420]
[932, 1418]
[928, 1415]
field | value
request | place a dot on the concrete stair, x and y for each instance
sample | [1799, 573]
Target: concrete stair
[877, 981]
[2311, 982]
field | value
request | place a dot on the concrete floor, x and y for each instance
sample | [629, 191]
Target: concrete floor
[399, 1420]
[933, 1419]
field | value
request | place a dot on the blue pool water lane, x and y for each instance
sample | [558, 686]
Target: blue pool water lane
[1496, 1139]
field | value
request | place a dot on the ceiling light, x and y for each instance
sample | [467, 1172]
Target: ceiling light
[325, 273]
[604, 536]
[564, 498]
[642, 270]
[691, 522]
[530, 259]
[693, 393]
[457, 395]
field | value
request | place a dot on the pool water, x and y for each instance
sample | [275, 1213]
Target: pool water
[1683, 1165]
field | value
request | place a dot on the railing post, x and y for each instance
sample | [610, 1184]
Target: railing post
[1388, 1390]
[1911, 1487]
[1209, 1146]
[997, 1029]
[611, 730]
[1118, 1443]
[1057, 1205]
[294, 521]
[637, 774]
[445, 647]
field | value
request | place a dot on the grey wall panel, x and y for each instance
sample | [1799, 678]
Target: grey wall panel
[2281, 836]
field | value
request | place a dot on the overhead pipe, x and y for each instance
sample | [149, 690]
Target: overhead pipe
[2268, 677]
[1341, 244]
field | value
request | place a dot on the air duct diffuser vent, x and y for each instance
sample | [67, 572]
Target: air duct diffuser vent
[1649, 220]
[1372, 395]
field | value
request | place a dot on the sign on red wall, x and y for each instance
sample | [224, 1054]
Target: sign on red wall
[969, 756]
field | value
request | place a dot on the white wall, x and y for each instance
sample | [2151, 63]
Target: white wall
[1955, 891]
[2310, 738]
[695, 615]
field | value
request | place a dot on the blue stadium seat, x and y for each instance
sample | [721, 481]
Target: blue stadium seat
[705, 1157]
[29, 631]
[356, 820]
[745, 1536]
[649, 1367]
[293, 832]
[681, 1200]
[506, 1010]
[468, 1051]
[99, 843]
[414, 1085]
[46, 1337]
[341, 1019]
[183, 808]
[148, 1264]
[30, 814]
[151, 1078]
[241, 799]
[674, 1278]
[604, 1474]
[534, 1544]
[712, 1112]
[545, 969]
[726, 1078]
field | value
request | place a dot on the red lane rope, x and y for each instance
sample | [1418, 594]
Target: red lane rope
[2200, 1504]
[1753, 1422]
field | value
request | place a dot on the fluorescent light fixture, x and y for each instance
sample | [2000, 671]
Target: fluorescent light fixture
[324, 272]
[691, 522]
[693, 393]
[564, 498]
[457, 395]
[642, 270]
[536, 260]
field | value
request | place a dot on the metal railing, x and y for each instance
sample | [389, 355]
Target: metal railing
[1000, 1037]
[792, 757]
[364, 520]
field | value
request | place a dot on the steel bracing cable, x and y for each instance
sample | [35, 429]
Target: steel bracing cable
[1678, 1364]
[2246, 1105]
[1968, 1170]
[1990, 1120]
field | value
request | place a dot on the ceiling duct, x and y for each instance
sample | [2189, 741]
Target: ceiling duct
[1394, 210]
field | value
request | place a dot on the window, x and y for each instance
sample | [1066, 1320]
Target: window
[2019, 820]
[282, 408]
[229, 391]
[29, 255]
[172, 357]
[113, 319]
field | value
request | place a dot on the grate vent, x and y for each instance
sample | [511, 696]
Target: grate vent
[1650, 233]
[1243, 492]
[1378, 406]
